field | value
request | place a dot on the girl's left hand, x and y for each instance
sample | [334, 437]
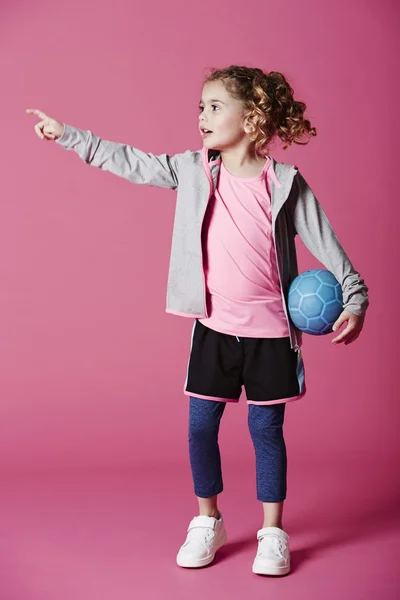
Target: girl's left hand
[353, 329]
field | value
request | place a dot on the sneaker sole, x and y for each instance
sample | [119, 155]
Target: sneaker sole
[265, 570]
[201, 562]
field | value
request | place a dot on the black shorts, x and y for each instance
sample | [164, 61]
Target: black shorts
[220, 364]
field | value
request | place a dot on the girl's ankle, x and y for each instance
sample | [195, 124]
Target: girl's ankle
[216, 514]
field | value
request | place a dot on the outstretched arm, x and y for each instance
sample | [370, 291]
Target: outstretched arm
[121, 159]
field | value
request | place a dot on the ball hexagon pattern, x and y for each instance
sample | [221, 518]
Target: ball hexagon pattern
[315, 301]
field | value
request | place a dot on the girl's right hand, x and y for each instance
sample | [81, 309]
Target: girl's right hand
[48, 128]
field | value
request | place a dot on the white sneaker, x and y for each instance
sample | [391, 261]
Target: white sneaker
[205, 536]
[273, 556]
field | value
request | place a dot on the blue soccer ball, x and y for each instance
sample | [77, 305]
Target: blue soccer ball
[315, 301]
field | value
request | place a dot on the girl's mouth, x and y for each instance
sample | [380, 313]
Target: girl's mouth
[205, 132]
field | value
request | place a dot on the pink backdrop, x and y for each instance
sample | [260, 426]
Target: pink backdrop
[91, 367]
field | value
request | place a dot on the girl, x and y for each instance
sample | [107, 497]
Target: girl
[233, 257]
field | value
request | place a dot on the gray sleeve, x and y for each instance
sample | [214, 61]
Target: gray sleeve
[315, 230]
[122, 160]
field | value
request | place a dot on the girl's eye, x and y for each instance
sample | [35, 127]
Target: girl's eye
[202, 107]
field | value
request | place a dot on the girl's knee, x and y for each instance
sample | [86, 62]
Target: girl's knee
[204, 418]
[266, 416]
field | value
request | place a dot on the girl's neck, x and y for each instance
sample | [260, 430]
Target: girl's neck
[246, 169]
[243, 162]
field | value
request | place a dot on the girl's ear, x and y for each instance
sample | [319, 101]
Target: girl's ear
[246, 125]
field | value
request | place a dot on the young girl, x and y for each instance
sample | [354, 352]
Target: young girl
[233, 258]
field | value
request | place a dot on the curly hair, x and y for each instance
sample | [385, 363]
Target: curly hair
[269, 106]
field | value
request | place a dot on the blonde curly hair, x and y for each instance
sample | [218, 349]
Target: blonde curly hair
[268, 103]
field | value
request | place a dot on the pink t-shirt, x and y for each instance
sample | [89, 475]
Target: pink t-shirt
[242, 284]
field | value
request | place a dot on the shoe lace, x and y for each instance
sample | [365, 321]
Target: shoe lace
[278, 545]
[203, 534]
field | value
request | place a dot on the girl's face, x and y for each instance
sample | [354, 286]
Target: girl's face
[222, 115]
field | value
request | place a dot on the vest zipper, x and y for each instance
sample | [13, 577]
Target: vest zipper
[207, 168]
[294, 345]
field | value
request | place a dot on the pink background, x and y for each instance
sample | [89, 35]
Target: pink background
[92, 368]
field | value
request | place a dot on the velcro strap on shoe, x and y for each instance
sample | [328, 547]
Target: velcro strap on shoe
[202, 521]
[273, 530]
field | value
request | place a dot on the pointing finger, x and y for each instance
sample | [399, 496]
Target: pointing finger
[35, 111]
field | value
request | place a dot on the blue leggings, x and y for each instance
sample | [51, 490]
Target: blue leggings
[266, 429]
